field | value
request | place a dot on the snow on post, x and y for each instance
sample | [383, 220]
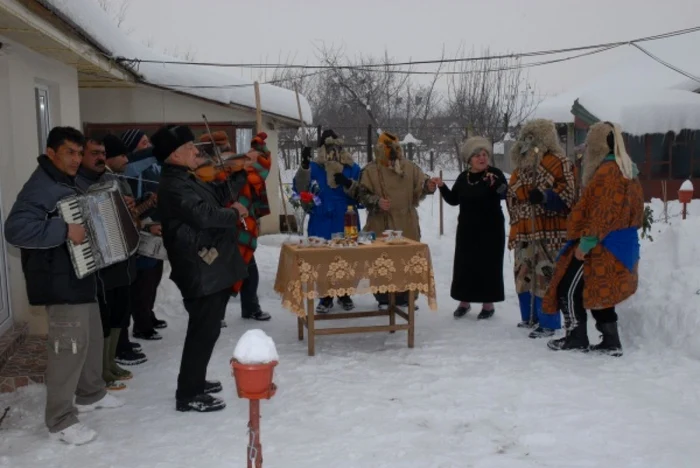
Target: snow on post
[255, 347]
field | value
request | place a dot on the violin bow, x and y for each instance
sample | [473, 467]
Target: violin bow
[220, 162]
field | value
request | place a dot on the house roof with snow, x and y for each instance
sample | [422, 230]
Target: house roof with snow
[636, 75]
[89, 22]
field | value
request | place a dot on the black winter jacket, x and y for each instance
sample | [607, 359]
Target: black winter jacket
[123, 273]
[35, 227]
[193, 218]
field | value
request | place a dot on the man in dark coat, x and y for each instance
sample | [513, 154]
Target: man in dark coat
[114, 296]
[34, 225]
[199, 234]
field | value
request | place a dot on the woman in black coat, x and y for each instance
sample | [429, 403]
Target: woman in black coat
[481, 236]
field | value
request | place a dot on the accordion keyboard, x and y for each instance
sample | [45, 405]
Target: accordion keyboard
[83, 255]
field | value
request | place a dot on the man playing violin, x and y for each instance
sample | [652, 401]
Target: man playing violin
[198, 220]
[253, 196]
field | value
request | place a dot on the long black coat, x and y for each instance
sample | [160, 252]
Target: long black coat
[481, 237]
[193, 218]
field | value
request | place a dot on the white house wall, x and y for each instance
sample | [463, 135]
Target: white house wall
[20, 71]
[150, 105]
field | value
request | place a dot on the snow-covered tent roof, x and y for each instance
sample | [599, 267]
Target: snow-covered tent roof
[636, 71]
[643, 111]
[409, 138]
[91, 20]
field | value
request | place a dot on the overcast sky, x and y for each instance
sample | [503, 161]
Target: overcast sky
[265, 30]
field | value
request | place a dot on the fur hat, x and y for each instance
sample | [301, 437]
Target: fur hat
[605, 138]
[325, 135]
[132, 137]
[114, 146]
[168, 139]
[388, 144]
[473, 146]
[537, 138]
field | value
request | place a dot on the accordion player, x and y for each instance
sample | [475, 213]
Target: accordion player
[110, 233]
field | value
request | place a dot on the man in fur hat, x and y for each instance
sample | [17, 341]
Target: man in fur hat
[199, 231]
[335, 174]
[253, 196]
[391, 189]
[541, 192]
[598, 266]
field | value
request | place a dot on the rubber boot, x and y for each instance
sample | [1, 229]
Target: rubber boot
[610, 344]
[118, 372]
[111, 382]
[575, 340]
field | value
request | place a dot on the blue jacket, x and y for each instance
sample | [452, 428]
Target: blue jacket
[329, 217]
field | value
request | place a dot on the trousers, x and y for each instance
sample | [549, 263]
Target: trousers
[203, 330]
[570, 294]
[74, 365]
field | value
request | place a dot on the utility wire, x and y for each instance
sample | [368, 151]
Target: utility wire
[419, 62]
[666, 64]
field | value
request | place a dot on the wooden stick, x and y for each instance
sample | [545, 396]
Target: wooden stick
[258, 109]
[442, 222]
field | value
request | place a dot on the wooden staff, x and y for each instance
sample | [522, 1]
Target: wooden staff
[259, 125]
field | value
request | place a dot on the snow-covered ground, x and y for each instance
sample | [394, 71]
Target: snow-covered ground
[470, 394]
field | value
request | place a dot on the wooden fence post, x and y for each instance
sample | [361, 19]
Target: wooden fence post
[442, 223]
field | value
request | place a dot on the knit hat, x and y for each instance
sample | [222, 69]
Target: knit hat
[168, 139]
[114, 146]
[132, 137]
[259, 144]
[326, 134]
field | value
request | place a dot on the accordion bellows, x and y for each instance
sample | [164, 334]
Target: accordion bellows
[111, 235]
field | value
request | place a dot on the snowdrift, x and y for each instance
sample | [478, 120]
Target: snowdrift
[664, 314]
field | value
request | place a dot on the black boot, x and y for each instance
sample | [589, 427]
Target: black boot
[610, 344]
[575, 340]
[203, 403]
[346, 303]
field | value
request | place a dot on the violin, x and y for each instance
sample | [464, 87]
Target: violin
[208, 172]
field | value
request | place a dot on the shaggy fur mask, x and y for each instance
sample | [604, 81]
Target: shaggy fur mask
[603, 139]
[473, 146]
[333, 158]
[537, 138]
[389, 153]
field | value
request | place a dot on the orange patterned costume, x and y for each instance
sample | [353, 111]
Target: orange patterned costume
[609, 203]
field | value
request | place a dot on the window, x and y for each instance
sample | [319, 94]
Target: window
[43, 116]
[243, 138]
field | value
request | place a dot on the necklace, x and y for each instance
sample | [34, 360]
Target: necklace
[469, 182]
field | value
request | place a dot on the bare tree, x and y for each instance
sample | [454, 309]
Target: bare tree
[489, 96]
[117, 9]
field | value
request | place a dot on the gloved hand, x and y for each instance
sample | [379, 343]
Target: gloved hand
[342, 181]
[536, 197]
[306, 157]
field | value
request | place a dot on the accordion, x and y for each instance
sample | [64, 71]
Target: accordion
[110, 234]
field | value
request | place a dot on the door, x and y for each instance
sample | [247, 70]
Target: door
[5, 312]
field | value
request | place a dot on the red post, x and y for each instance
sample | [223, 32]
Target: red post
[254, 445]
[685, 209]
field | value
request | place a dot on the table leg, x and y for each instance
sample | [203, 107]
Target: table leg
[411, 318]
[300, 327]
[392, 310]
[311, 325]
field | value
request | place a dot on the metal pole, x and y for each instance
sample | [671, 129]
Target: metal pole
[254, 445]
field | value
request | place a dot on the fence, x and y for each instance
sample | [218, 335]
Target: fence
[434, 148]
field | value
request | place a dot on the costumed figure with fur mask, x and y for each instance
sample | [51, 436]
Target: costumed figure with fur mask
[336, 175]
[598, 267]
[391, 188]
[541, 192]
[253, 196]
